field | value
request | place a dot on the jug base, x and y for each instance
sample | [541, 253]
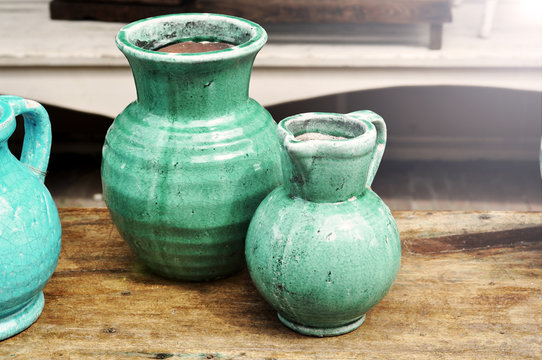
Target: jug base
[324, 331]
[22, 319]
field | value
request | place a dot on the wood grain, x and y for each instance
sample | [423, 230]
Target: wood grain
[270, 11]
[331, 11]
[469, 287]
[118, 11]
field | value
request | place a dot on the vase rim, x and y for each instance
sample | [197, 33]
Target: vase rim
[359, 135]
[256, 38]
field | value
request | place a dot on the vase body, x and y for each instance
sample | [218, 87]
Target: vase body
[323, 248]
[29, 223]
[185, 166]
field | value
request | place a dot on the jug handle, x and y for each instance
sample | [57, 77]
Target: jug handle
[37, 137]
[380, 144]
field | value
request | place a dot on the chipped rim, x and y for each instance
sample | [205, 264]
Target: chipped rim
[258, 38]
[359, 144]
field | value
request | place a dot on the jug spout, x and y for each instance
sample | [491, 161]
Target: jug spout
[329, 157]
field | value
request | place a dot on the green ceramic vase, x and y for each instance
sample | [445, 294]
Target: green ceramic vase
[185, 166]
[323, 248]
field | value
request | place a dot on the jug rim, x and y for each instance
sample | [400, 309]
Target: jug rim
[359, 135]
[255, 34]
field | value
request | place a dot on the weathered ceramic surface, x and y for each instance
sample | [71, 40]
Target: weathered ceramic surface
[185, 166]
[29, 223]
[323, 248]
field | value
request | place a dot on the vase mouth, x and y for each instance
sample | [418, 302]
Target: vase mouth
[337, 134]
[7, 125]
[144, 38]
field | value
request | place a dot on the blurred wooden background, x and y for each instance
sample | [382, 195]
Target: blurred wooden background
[431, 12]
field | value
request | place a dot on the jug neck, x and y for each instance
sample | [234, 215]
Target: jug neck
[191, 85]
[326, 157]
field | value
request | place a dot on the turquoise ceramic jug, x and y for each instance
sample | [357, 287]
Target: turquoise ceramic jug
[29, 222]
[323, 248]
[186, 164]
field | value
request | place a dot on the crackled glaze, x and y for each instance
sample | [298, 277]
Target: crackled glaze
[324, 248]
[29, 223]
[185, 166]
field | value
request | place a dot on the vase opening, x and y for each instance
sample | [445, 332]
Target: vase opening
[335, 128]
[191, 34]
[192, 47]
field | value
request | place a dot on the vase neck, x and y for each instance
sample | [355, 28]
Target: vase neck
[191, 86]
[195, 90]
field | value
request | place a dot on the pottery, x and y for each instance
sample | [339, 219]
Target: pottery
[29, 223]
[185, 166]
[323, 248]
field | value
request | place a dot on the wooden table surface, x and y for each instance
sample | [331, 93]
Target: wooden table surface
[469, 288]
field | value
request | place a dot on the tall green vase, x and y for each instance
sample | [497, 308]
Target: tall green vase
[323, 248]
[185, 166]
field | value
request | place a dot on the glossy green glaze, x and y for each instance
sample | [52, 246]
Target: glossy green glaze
[185, 166]
[29, 223]
[324, 248]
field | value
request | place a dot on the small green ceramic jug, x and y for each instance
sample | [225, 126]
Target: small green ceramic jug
[185, 165]
[29, 222]
[323, 248]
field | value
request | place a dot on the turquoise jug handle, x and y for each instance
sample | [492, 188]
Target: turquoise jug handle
[37, 137]
[381, 137]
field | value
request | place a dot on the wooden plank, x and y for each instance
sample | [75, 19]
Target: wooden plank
[469, 287]
[120, 12]
[148, 2]
[271, 11]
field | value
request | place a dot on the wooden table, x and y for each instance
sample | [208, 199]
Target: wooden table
[469, 288]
